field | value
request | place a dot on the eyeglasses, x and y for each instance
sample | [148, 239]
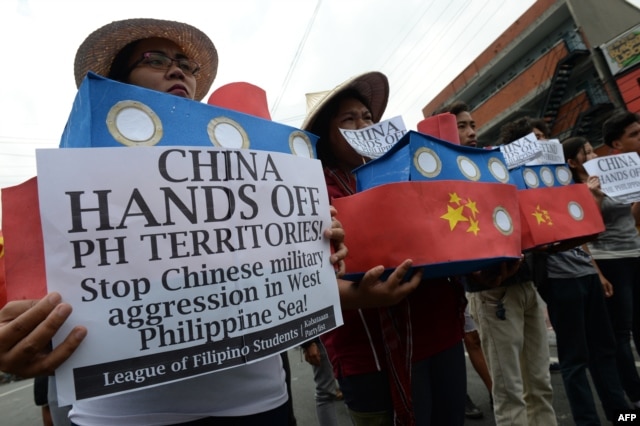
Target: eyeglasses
[160, 61]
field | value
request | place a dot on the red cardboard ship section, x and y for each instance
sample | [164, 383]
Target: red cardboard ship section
[24, 255]
[556, 214]
[463, 216]
[446, 227]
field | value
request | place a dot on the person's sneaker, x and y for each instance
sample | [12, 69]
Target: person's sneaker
[554, 367]
[470, 409]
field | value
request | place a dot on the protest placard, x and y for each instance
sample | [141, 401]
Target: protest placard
[619, 175]
[183, 261]
[375, 140]
[552, 153]
[521, 151]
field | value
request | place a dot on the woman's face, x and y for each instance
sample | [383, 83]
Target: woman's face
[585, 154]
[172, 80]
[539, 134]
[351, 115]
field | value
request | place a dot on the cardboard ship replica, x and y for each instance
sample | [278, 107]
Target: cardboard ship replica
[107, 113]
[447, 207]
[553, 208]
[454, 209]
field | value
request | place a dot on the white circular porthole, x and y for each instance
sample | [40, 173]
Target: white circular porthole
[499, 170]
[427, 162]
[563, 174]
[300, 144]
[502, 221]
[468, 168]
[547, 176]
[575, 210]
[227, 133]
[134, 124]
[531, 178]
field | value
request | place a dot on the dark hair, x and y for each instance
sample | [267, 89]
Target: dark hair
[321, 124]
[454, 108]
[120, 70]
[521, 127]
[540, 124]
[614, 126]
[571, 147]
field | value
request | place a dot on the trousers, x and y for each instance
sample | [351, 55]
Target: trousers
[513, 336]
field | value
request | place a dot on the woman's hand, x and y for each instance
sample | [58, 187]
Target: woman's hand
[26, 329]
[607, 287]
[593, 183]
[336, 235]
[371, 292]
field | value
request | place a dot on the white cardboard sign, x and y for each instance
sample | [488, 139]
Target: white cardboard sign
[183, 261]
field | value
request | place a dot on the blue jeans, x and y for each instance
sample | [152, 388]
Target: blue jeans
[584, 336]
[623, 306]
[438, 388]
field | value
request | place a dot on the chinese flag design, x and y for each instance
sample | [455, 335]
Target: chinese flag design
[542, 216]
[459, 210]
[551, 215]
[449, 227]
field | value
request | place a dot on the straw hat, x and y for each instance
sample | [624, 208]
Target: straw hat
[372, 86]
[99, 49]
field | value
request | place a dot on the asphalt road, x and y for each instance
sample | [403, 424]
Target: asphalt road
[17, 407]
[304, 404]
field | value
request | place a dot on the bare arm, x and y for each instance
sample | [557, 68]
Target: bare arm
[593, 182]
[607, 287]
[635, 210]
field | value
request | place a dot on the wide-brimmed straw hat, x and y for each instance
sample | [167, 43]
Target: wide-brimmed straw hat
[99, 49]
[372, 87]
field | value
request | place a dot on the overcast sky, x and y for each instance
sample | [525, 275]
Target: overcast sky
[287, 47]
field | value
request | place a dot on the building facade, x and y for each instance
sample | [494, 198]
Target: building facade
[571, 62]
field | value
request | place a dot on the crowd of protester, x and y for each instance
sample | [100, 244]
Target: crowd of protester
[399, 357]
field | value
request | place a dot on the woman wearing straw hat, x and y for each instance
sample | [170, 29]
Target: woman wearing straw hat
[181, 60]
[371, 352]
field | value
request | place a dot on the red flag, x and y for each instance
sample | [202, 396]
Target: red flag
[3, 288]
[558, 213]
[24, 249]
[450, 227]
